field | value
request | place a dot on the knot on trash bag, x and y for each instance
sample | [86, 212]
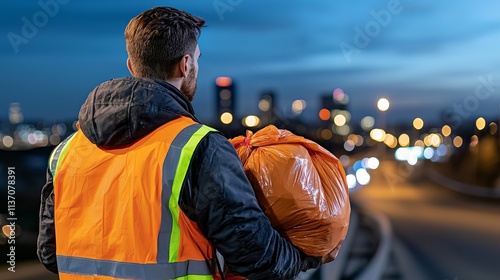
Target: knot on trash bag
[246, 142]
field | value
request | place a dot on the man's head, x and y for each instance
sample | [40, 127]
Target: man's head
[162, 44]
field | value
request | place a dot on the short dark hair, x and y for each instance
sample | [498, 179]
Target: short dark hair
[158, 38]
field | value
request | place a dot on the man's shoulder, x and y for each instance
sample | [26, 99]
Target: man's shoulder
[214, 139]
[214, 145]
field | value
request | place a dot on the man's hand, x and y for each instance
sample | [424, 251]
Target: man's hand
[333, 254]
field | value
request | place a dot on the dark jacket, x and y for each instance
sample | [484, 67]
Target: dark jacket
[216, 193]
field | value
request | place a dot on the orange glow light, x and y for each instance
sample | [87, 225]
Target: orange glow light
[324, 114]
[223, 81]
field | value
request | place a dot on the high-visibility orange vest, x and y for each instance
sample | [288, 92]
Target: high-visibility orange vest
[116, 211]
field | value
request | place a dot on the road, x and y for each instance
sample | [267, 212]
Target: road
[448, 235]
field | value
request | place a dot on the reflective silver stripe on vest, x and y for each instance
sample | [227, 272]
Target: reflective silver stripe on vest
[54, 157]
[169, 169]
[92, 267]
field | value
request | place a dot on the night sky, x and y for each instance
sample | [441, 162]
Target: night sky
[426, 57]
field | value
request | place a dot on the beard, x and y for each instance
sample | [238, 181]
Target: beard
[188, 86]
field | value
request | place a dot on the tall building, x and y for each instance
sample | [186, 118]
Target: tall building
[267, 105]
[225, 99]
[334, 112]
[15, 114]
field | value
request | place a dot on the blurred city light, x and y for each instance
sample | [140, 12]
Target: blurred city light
[480, 123]
[428, 153]
[15, 113]
[412, 160]
[419, 143]
[349, 145]
[338, 94]
[458, 141]
[367, 123]
[409, 154]
[342, 130]
[59, 129]
[345, 100]
[360, 141]
[357, 139]
[340, 97]
[351, 181]
[264, 105]
[493, 128]
[8, 141]
[435, 139]
[373, 163]
[324, 114]
[251, 121]
[226, 118]
[442, 150]
[298, 106]
[326, 134]
[345, 160]
[339, 120]
[427, 140]
[446, 130]
[418, 123]
[383, 104]
[391, 141]
[223, 81]
[225, 94]
[362, 176]
[377, 134]
[344, 113]
[357, 165]
[54, 139]
[474, 140]
[404, 140]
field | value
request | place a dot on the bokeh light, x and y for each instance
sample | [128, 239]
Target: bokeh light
[480, 123]
[377, 134]
[226, 118]
[458, 141]
[383, 104]
[223, 81]
[367, 123]
[404, 140]
[493, 128]
[324, 114]
[446, 130]
[339, 120]
[418, 123]
[264, 105]
[298, 106]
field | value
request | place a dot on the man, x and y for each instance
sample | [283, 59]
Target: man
[142, 190]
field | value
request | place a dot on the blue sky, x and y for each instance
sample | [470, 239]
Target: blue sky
[425, 56]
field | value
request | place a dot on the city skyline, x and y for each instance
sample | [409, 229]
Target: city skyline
[426, 57]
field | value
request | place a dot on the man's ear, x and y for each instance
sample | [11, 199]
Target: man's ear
[129, 66]
[184, 65]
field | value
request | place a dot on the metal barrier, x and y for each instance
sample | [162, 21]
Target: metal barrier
[375, 267]
[464, 188]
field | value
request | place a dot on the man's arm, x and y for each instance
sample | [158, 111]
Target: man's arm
[224, 205]
[46, 245]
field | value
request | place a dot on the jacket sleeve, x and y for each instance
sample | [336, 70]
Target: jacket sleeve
[46, 244]
[221, 200]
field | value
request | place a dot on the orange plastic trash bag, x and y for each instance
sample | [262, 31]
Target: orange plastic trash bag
[300, 186]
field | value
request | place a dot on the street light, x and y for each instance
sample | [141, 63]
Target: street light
[383, 104]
